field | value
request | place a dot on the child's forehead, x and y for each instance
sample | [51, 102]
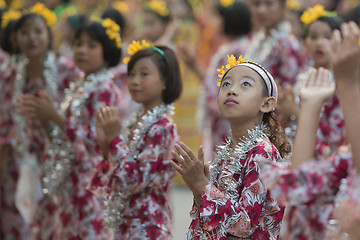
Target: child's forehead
[241, 71]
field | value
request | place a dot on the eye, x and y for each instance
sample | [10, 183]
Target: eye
[225, 84]
[144, 74]
[245, 84]
[131, 74]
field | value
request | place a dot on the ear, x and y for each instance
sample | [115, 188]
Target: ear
[268, 105]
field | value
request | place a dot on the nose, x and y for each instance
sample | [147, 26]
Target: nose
[232, 91]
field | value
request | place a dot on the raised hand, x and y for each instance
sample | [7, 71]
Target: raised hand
[40, 108]
[344, 53]
[108, 125]
[318, 88]
[193, 170]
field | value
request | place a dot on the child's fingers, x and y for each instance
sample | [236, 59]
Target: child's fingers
[354, 31]
[312, 77]
[188, 151]
[177, 168]
[182, 153]
[335, 44]
[201, 154]
[323, 77]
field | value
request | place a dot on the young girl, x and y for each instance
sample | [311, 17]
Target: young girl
[309, 187]
[22, 141]
[230, 201]
[135, 174]
[235, 25]
[72, 153]
[275, 47]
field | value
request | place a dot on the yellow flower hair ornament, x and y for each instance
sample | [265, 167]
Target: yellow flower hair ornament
[232, 62]
[158, 7]
[312, 14]
[227, 3]
[47, 14]
[134, 47]
[9, 16]
[111, 28]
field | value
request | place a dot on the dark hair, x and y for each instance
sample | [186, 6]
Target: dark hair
[76, 20]
[117, 17]
[236, 18]
[97, 32]
[333, 22]
[168, 67]
[6, 41]
[335, 4]
[276, 133]
[30, 17]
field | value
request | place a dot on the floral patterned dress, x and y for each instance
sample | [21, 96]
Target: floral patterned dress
[58, 73]
[215, 128]
[72, 155]
[235, 203]
[309, 192]
[136, 178]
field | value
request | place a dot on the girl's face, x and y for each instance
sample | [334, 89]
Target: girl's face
[145, 83]
[88, 54]
[153, 27]
[241, 95]
[33, 38]
[318, 32]
[267, 13]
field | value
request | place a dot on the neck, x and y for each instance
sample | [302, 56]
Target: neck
[150, 107]
[240, 130]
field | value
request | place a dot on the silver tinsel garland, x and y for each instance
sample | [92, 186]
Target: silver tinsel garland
[225, 152]
[50, 73]
[115, 202]
[240, 151]
[60, 153]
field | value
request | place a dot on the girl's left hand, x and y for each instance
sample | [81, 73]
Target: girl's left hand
[191, 168]
[40, 108]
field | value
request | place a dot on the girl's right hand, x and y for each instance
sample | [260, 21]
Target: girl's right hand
[318, 88]
[108, 125]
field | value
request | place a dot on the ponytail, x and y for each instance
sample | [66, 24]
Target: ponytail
[277, 134]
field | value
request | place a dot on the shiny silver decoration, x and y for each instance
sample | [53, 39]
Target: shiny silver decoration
[115, 202]
[60, 154]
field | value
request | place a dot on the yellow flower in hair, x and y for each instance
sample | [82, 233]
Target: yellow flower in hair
[232, 61]
[311, 14]
[159, 7]
[227, 3]
[47, 14]
[134, 47]
[9, 16]
[112, 30]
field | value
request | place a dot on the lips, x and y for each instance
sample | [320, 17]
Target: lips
[134, 91]
[230, 101]
[319, 53]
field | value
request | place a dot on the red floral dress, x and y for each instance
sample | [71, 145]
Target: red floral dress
[309, 192]
[79, 213]
[235, 203]
[137, 179]
[12, 223]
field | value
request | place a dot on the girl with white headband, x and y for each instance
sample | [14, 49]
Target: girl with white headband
[230, 201]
